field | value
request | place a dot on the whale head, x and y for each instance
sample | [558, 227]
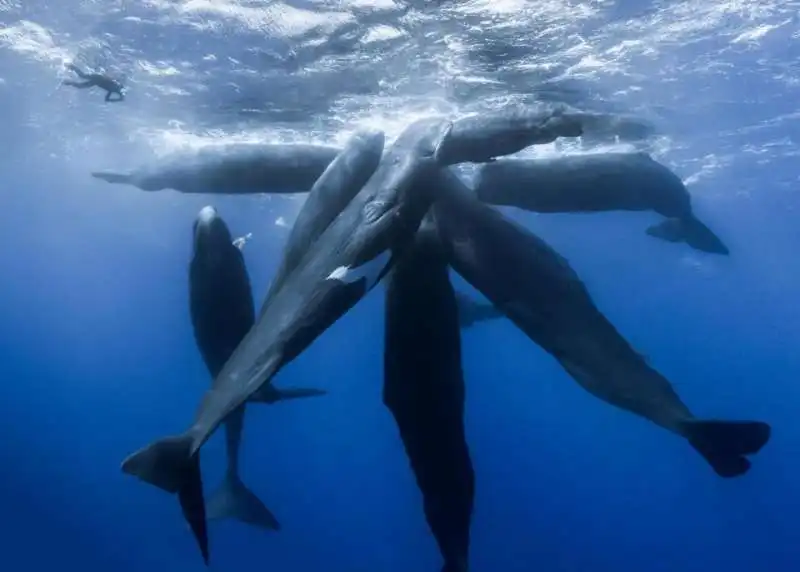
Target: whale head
[211, 235]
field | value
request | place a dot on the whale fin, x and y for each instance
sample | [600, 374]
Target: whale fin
[470, 311]
[271, 394]
[109, 177]
[724, 444]
[371, 271]
[234, 500]
[193, 507]
[691, 231]
[169, 465]
[166, 463]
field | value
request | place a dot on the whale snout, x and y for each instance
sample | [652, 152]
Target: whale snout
[210, 229]
[370, 138]
[207, 215]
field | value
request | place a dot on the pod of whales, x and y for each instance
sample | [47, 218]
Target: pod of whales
[233, 169]
[423, 387]
[293, 168]
[598, 182]
[540, 293]
[222, 308]
[222, 312]
[405, 215]
[345, 263]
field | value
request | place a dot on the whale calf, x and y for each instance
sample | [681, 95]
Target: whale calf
[233, 169]
[542, 295]
[222, 312]
[423, 388]
[345, 263]
[598, 182]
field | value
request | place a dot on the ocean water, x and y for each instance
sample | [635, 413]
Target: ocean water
[96, 343]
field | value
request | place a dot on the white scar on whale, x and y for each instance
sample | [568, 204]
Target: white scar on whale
[370, 270]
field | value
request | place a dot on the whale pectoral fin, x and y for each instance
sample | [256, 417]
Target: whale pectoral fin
[271, 394]
[471, 311]
[692, 232]
[372, 271]
[670, 230]
[109, 177]
[299, 392]
[724, 444]
[700, 237]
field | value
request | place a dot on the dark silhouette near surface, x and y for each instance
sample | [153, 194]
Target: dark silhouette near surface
[111, 86]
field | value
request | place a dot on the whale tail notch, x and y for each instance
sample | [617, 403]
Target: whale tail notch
[170, 465]
[271, 394]
[234, 500]
[724, 444]
[691, 231]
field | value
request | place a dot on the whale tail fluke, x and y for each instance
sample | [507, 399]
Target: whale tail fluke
[691, 231]
[724, 444]
[169, 465]
[234, 500]
[110, 177]
[193, 507]
[271, 394]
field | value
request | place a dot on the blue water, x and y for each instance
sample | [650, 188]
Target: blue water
[97, 347]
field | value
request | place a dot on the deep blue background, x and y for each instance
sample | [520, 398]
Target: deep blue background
[98, 357]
